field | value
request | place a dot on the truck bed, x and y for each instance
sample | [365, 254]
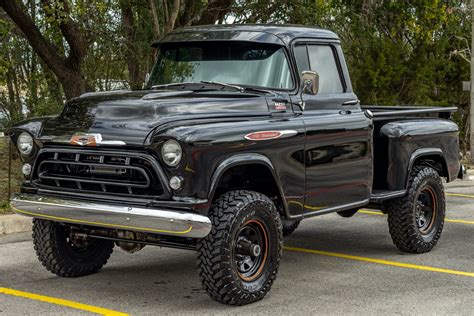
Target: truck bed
[387, 114]
[402, 112]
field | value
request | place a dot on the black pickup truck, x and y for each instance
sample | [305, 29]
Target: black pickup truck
[239, 133]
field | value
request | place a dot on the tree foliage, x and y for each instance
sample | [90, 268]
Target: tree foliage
[399, 52]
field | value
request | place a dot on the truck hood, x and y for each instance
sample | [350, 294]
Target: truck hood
[129, 117]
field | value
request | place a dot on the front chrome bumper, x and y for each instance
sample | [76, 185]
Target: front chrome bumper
[150, 220]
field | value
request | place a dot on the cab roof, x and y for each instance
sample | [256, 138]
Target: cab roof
[261, 33]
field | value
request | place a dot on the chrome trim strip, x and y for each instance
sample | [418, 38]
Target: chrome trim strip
[158, 221]
[281, 134]
[288, 133]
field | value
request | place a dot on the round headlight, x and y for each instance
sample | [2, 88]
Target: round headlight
[171, 153]
[26, 169]
[25, 143]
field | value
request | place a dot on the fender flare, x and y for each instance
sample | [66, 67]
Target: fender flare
[423, 152]
[245, 159]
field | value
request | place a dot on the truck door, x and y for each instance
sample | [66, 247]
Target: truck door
[338, 144]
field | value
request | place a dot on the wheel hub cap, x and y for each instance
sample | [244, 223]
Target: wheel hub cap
[250, 251]
[425, 210]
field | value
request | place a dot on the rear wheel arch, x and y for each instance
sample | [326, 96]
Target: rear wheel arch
[430, 157]
[253, 172]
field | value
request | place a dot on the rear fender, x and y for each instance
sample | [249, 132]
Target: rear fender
[411, 141]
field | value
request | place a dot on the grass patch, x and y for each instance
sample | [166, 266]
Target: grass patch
[4, 210]
[16, 176]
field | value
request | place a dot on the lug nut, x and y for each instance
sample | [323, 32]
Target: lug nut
[255, 250]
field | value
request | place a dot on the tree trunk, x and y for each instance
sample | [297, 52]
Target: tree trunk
[67, 69]
[173, 16]
[133, 64]
[156, 22]
[215, 11]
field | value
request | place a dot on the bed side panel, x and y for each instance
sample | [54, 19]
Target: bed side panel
[410, 140]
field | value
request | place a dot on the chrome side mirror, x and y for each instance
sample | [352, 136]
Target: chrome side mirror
[310, 82]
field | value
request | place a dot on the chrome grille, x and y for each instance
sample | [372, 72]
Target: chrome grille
[102, 172]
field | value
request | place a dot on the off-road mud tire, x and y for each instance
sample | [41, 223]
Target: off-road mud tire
[218, 269]
[289, 226]
[59, 257]
[405, 231]
[348, 213]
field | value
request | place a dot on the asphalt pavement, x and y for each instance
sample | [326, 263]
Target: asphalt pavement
[331, 265]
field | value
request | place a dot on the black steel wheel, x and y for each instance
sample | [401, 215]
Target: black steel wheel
[416, 220]
[251, 249]
[289, 226]
[66, 256]
[239, 260]
[425, 210]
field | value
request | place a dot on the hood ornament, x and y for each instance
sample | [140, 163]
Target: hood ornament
[93, 140]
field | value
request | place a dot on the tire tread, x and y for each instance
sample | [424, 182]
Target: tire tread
[402, 226]
[50, 256]
[213, 265]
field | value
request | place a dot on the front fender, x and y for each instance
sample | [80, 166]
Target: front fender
[211, 148]
[236, 160]
[32, 126]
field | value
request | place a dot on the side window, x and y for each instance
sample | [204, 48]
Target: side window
[322, 60]
[302, 61]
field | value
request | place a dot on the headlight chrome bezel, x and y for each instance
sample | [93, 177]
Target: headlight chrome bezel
[25, 144]
[171, 153]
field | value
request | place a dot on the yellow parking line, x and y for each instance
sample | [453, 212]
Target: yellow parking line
[461, 195]
[371, 212]
[380, 261]
[459, 221]
[58, 301]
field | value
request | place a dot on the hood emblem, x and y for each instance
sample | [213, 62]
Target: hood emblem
[85, 140]
[267, 135]
[92, 140]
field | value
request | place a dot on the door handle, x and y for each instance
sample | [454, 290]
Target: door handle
[344, 112]
[350, 102]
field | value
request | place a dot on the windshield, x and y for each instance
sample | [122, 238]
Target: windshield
[239, 63]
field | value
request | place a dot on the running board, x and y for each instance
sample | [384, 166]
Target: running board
[380, 196]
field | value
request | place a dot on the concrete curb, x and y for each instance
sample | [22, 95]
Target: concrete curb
[14, 224]
[470, 174]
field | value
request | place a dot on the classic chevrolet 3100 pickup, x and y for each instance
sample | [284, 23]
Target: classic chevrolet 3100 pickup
[239, 133]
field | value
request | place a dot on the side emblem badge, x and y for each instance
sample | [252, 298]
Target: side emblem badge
[267, 135]
[280, 106]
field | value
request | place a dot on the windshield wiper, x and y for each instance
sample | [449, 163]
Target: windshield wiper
[166, 85]
[239, 88]
[216, 83]
[223, 84]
